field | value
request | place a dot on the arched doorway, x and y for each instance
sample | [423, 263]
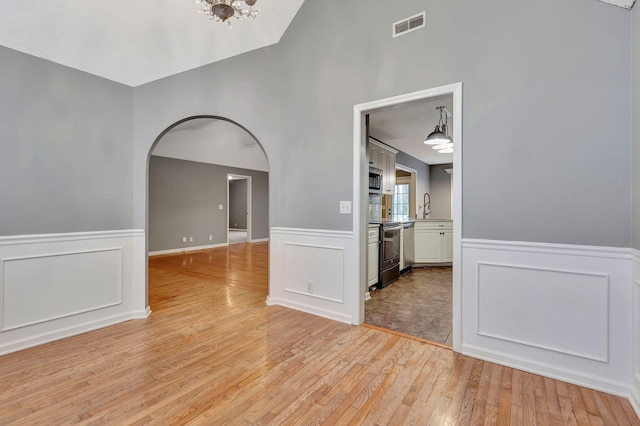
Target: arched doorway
[187, 172]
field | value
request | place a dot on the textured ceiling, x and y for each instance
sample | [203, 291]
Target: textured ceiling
[136, 41]
[627, 4]
[405, 128]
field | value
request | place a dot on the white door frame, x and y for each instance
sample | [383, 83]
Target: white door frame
[249, 207]
[360, 174]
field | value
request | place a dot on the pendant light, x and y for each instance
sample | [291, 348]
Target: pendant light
[439, 135]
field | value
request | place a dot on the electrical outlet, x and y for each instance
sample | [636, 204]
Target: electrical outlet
[210, 237]
[309, 287]
[184, 239]
[345, 207]
[190, 239]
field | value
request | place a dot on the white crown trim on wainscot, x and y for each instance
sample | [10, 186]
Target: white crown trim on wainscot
[59, 285]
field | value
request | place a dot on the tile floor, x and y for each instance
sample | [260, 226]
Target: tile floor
[418, 304]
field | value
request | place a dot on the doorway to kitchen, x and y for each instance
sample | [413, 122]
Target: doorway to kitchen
[452, 233]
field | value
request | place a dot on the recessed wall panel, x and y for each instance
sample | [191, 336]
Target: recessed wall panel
[559, 310]
[314, 270]
[45, 287]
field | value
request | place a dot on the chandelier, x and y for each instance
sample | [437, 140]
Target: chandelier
[221, 10]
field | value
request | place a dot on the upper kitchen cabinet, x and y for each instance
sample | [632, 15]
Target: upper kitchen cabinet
[384, 157]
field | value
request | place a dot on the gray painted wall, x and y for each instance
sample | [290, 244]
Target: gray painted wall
[238, 204]
[65, 154]
[183, 202]
[528, 175]
[636, 127]
[440, 192]
[422, 180]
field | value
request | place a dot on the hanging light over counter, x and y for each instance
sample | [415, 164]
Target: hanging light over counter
[440, 138]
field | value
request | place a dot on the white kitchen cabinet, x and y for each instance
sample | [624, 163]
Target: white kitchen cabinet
[433, 242]
[373, 255]
[384, 158]
[374, 156]
[447, 245]
[389, 185]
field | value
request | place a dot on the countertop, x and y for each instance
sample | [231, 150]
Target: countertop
[390, 222]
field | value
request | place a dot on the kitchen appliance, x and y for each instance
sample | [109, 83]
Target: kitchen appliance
[389, 253]
[375, 180]
[408, 253]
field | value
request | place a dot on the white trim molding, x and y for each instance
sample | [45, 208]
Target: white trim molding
[562, 311]
[186, 249]
[635, 387]
[313, 271]
[58, 285]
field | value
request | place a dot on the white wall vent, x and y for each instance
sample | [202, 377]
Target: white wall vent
[409, 24]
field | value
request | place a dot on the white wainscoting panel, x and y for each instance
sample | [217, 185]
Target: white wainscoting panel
[511, 299]
[635, 388]
[46, 287]
[313, 271]
[562, 311]
[57, 285]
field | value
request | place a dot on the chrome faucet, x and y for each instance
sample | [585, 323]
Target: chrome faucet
[426, 206]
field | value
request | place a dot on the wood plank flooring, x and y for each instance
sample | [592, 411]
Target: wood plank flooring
[213, 353]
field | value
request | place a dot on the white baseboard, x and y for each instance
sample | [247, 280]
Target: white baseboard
[635, 386]
[260, 240]
[314, 271]
[186, 249]
[579, 378]
[310, 309]
[58, 285]
[74, 330]
[562, 311]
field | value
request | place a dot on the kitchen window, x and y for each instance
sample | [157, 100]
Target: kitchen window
[400, 203]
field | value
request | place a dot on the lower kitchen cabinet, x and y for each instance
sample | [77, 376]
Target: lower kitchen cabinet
[373, 255]
[433, 242]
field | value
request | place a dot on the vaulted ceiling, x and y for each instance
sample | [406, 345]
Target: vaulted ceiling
[137, 41]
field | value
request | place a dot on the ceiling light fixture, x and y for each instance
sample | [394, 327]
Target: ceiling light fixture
[222, 10]
[439, 138]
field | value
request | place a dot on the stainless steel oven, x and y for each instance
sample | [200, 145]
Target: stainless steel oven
[389, 253]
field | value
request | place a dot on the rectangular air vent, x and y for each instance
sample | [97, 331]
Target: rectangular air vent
[409, 24]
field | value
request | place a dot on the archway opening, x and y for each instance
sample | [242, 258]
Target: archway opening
[187, 208]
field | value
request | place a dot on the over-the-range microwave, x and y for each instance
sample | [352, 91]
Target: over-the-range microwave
[375, 180]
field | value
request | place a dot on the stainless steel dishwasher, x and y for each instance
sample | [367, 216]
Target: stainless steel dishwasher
[407, 246]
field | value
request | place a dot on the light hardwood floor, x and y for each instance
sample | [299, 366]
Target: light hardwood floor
[213, 353]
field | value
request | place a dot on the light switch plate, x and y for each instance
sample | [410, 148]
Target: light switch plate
[345, 207]
[220, 207]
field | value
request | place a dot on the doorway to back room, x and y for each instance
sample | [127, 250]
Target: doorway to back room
[189, 203]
